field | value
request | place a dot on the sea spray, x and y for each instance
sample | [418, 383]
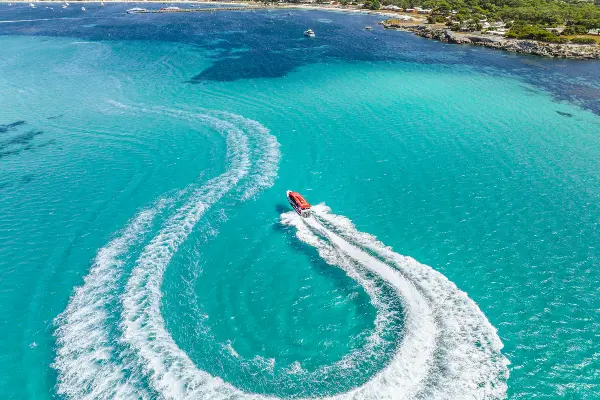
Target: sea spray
[84, 358]
[84, 354]
[468, 359]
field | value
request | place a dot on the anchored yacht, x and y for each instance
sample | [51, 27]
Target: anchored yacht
[309, 33]
[136, 10]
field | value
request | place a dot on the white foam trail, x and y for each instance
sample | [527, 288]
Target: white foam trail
[267, 158]
[85, 361]
[406, 374]
[263, 145]
[448, 349]
[170, 370]
[468, 361]
[85, 370]
[385, 318]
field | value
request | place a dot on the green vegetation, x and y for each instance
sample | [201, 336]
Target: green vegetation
[528, 18]
[521, 31]
[583, 40]
[372, 4]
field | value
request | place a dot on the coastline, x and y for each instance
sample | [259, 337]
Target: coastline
[523, 46]
[256, 4]
[416, 26]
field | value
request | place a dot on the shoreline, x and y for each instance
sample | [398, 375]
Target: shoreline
[569, 51]
[417, 27]
[256, 4]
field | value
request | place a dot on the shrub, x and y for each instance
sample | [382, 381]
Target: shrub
[535, 33]
[575, 30]
[581, 40]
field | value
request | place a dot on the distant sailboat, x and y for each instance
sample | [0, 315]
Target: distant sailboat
[102, 4]
[83, 9]
[31, 5]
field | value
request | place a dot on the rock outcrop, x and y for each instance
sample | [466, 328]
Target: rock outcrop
[555, 50]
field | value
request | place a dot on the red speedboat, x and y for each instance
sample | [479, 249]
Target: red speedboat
[299, 203]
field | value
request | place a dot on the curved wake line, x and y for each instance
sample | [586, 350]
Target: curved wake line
[467, 361]
[448, 349]
[84, 347]
[406, 373]
[85, 356]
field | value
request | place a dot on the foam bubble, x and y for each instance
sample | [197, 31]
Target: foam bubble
[87, 361]
[468, 359]
[84, 359]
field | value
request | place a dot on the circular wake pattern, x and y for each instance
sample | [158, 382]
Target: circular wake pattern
[112, 341]
[449, 351]
[103, 355]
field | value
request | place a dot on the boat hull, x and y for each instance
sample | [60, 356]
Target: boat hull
[305, 213]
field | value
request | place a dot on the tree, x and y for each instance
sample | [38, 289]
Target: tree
[575, 30]
[375, 5]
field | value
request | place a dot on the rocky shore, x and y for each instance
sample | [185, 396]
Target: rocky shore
[555, 50]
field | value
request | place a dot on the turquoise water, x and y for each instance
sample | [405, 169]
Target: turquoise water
[149, 251]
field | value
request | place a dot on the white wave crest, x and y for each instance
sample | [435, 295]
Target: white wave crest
[405, 375]
[85, 355]
[467, 360]
[83, 359]
[448, 349]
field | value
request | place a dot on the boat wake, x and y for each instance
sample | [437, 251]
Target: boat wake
[112, 342]
[449, 350]
[111, 339]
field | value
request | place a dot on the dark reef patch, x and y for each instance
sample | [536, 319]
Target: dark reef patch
[45, 144]
[564, 114]
[27, 178]
[15, 142]
[8, 127]
[23, 139]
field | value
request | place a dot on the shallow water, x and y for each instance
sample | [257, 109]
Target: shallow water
[144, 160]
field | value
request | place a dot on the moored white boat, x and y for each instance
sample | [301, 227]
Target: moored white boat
[136, 10]
[309, 33]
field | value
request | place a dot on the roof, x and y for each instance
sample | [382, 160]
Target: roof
[299, 200]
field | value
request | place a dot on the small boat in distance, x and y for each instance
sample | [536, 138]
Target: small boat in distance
[83, 9]
[31, 5]
[299, 203]
[309, 33]
[368, 28]
[101, 4]
[170, 9]
[136, 10]
[65, 5]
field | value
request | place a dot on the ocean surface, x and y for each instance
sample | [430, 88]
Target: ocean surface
[148, 250]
